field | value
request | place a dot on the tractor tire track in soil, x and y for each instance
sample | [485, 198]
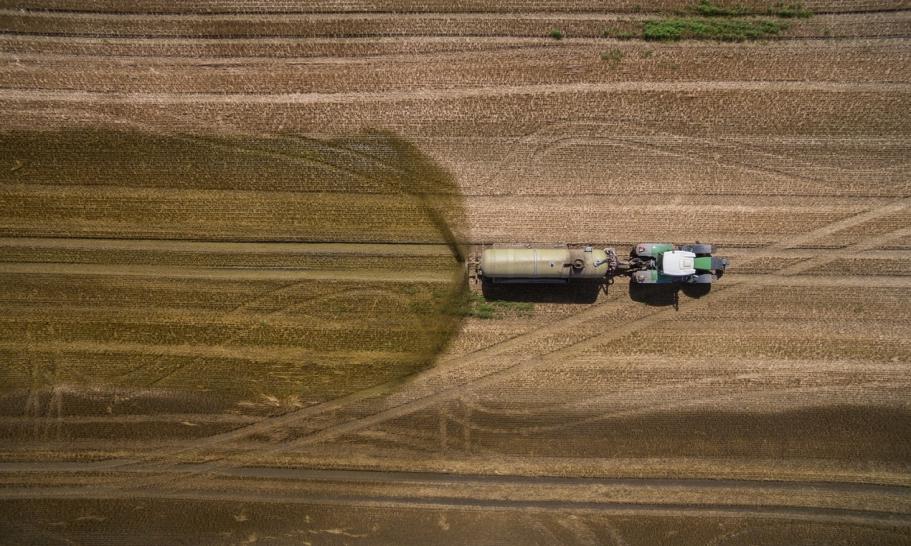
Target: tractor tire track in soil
[804, 500]
[246, 273]
[12, 95]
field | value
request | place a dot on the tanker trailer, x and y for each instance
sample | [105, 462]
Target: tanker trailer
[545, 265]
[649, 263]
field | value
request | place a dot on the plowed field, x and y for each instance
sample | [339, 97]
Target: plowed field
[232, 290]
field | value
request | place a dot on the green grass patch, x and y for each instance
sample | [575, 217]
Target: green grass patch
[476, 305]
[557, 34]
[790, 11]
[705, 8]
[708, 9]
[672, 30]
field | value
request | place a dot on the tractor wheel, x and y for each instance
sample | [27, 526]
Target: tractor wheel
[699, 249]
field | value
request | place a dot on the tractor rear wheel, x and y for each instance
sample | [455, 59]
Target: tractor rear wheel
[699, 249]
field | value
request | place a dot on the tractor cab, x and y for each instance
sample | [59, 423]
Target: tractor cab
[678, 263]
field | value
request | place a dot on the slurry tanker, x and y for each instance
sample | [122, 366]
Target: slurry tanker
[648, 263]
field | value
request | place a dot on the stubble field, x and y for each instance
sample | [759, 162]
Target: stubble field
[231, 277]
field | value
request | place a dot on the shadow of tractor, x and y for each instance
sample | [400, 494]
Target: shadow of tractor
[575, 292]
[666, 294]
[658, 295]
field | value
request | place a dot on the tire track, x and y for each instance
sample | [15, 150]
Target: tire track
[827, 281]
[815, 183]
[807, 252]
[152, 9]
[391, 15]
[743, 374]
[334, 476]
[194, 418]
[530, 148]
[878, 505]
[172, 245]
[289, 354]
[104, 98]
[733, 402]
[240, 273]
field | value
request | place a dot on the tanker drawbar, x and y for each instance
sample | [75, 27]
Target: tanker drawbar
[649, 263]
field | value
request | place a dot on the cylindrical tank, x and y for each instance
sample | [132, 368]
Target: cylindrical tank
[543, 264]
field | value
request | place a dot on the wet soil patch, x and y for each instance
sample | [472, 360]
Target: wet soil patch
[184, 285]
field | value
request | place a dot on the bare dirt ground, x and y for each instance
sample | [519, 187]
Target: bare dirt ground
[219, 306]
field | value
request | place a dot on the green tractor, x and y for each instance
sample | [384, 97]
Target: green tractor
[664, 263]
